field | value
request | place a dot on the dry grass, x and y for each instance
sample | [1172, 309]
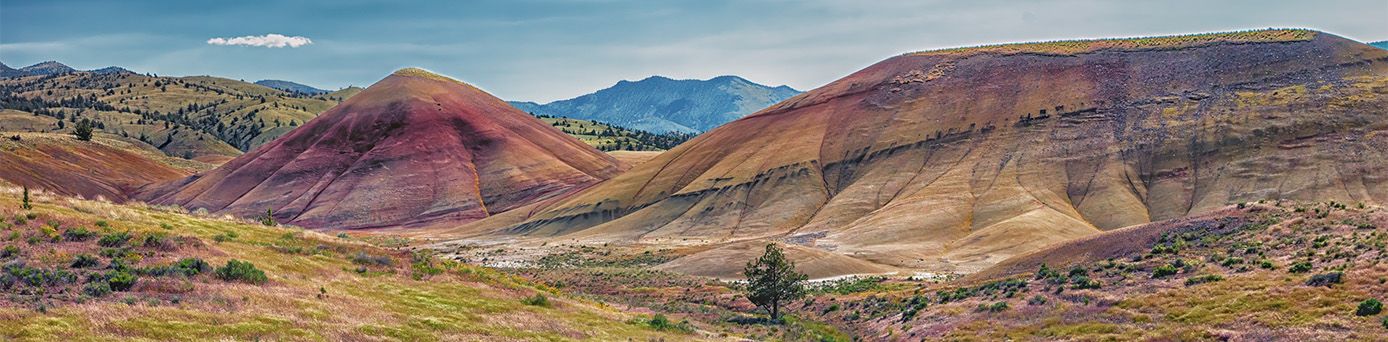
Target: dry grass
[315, 291]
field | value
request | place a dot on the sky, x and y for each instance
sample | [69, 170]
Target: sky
[545, 50]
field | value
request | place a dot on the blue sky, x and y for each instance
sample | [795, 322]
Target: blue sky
[542, 50]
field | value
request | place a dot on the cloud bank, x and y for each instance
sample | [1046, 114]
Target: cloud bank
[272, 40]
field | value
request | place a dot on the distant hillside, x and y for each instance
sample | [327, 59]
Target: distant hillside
[47, 68]
[1381, 45]
[607, 137]
[658, 104]
[206, 118]
[292, 87]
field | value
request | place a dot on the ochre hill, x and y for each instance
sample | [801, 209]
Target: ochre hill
[415, 148]
[956, 159]
[105, 167]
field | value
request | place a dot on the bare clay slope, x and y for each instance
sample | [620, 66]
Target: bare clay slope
[954, 160]
[415, 148]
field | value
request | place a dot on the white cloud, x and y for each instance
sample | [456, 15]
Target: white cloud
[272, 40]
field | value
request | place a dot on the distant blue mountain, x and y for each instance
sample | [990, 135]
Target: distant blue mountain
[1381, 45]
[659, 104]
[292, 87]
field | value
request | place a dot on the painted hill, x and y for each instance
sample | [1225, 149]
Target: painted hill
[415, 148]
[106, 167]
[658, 104]
[103, 271]
[954, 160]
[292, 87]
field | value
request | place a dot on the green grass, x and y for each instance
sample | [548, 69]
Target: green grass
[310, 291]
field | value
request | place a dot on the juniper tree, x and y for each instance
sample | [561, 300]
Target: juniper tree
[25, 202]
[772, 281]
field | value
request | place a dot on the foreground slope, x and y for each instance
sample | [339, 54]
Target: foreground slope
[94, 271]
[105, 167]
[1271, 271]
[953, 160]
[415, 148]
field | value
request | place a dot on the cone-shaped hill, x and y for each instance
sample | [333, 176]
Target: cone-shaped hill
[415, 148]
[953, 160]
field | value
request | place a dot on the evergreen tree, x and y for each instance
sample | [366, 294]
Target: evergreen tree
[25, 202]
[83, 130]
[773, 282]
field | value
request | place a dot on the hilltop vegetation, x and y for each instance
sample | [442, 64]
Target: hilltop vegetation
[85, 270]
[203, 117]
[1071, 47]
[608, 137]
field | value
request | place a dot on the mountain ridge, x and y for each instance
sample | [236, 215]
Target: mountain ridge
[661, 104]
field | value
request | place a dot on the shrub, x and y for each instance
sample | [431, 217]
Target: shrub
[361, 258]
[269, 218]
[9, 251]
[1369, 307]
[1325, 279]
[1385, 322]
[660, 322]
[224, 237]
[121, 280]
[1300, 267]
[1037, 300]
[77, 234]
[1201, 279]
[1163, 271]
[242, 271]
[155, 241]
[536, 300]
[84, 260]
[192, 266]
[1083, 282]
[97, 288]
[995, 307]
[114, 239]
[83, 131]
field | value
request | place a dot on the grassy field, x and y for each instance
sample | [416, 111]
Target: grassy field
[89, 270]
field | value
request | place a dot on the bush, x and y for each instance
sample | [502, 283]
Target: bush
[1163, 271]
[1300, 267]
[121, 280]
[1201, 279]
[242, 271]
[77, 234]
[536, 300]
[84, 260]
[97, 288]
[996, 307]
[1369, 307]
[114, 239]
[361, 258]
[1037, 300]
[155, 241]
[1325, 279]
[9, 251]
[660, 322]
